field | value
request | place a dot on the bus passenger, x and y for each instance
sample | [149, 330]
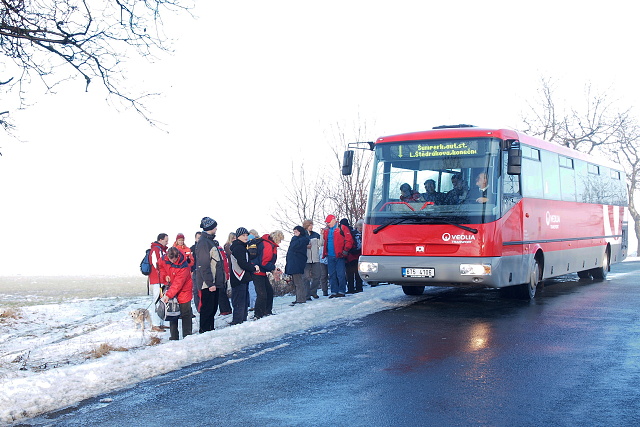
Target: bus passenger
[408, 195]
[431, 195]
[459, 193]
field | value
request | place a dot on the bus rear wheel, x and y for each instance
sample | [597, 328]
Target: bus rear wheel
[413, 290]
[585, 274]
[600, 273]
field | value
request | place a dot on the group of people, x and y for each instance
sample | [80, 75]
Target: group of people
[203, 273]
[459, 194]
[327, 261]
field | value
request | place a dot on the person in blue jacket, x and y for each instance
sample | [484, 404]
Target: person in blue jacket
[296, 263]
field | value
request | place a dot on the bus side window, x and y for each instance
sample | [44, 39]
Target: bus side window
[511, 183]
[510, 188]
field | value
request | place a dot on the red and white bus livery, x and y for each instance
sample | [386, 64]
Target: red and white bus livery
[488, 207]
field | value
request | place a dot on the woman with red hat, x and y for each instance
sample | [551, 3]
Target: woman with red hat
[186, 250]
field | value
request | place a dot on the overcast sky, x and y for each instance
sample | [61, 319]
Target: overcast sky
[255, 85]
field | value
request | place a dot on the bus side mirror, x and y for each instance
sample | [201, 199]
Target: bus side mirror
[347, 162]
[514, 163]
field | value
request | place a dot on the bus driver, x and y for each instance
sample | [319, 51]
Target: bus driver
[482, 194]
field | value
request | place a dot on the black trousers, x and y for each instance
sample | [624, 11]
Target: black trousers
[223, 300]
[264, 298]
[209, 301]
[354, 281]
[239, 300]
[187, 322]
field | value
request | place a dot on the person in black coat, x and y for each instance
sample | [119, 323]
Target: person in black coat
[296, 263]
[196, 290]
[240, 276]
[208, 281]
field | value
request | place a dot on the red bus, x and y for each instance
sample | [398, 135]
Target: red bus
[488, 207]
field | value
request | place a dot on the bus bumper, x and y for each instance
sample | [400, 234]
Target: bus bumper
[494, 272]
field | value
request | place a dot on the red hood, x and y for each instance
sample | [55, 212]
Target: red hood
[268, 238]
[160, 246]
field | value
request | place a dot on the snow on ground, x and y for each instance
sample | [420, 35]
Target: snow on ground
[50, 328]
[47, 349]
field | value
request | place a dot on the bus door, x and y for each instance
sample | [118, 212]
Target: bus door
[513, 237]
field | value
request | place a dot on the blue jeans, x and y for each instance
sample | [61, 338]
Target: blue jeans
[252, 295]
[337, 275]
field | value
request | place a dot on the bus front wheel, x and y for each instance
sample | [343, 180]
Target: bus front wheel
[413, 290]
[528, 290]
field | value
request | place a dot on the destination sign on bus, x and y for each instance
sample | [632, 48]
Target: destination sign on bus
[434, 149]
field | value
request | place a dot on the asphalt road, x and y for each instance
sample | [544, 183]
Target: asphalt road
[456, 357]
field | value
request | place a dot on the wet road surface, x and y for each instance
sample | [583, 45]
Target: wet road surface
[456, 357]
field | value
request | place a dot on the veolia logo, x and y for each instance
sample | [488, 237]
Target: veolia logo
[458, 238]
[552, 220]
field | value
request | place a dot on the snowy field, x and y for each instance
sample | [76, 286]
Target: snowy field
[65, 339]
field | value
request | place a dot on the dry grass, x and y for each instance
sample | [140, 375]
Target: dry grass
[154, 340]
[282, 287]
[102, 350]
[10, 313]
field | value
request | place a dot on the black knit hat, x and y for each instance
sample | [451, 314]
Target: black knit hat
[240, 231]
[208, 224]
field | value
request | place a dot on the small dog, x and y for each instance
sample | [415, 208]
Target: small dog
[139, 315]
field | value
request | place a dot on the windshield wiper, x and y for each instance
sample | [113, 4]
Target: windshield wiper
[395, 221]
[464, 227]
[455, 224]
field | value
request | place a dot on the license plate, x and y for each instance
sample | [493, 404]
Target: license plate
[418, 272]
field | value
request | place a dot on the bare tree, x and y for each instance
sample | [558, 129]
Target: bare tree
[328, 192]
[541, 118]
[303, 198]
[628, 155]
[55, 40]
[593, 127]
[599, 128]
[349, 196]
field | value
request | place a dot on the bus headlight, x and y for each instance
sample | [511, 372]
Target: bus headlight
[475, 269]
[368, 267]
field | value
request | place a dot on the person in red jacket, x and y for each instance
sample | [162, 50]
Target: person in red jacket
[176, 273]
[158, 250]
[266, 261]
[179, 243]
[337, 244]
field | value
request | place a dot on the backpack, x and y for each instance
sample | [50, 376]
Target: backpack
[145, 264]
[357, 243]
[354, 243]
[252, 247]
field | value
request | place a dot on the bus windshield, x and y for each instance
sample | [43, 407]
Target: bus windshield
[436, 181]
